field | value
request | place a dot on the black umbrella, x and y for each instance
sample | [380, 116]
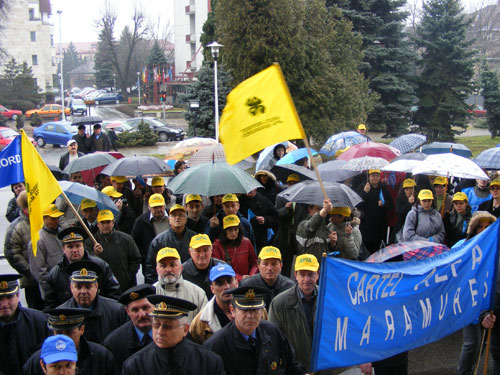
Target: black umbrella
[86, 120]
[56, 171]
[133, 166]
[283, 171]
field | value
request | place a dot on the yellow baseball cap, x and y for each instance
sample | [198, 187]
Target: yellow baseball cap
[192, 197]
[156, 200]
[460, 197]
[157, 181]
[167, 252]
[105, 215]
[52, 211]
[495, 182]
[306, 262]
[270, 252]
[408, 183]
[344, 211]
[293, 178]
[200, 240]
[425, 194]
[229, 198]
[440, 180]
[119, 179]
[87, 203]
[110, 191]
[176, 207]
[230, 221]
[361, 126]
[374, 171]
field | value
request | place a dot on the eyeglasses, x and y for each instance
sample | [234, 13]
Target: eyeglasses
[495, 187]
[166, 327]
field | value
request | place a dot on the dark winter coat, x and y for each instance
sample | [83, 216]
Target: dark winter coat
[143, 233]
[13, 210]
[488, 206]
[282, 283]
[57, 287]
[191, 273]
[198, 226]
[275, 354]
[64, 159]
[106, 315]
[101, 144]
[93, 359]
[455, 227]
[83, 143]
[186, 358]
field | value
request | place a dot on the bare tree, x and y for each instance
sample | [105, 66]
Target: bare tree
[485, 29]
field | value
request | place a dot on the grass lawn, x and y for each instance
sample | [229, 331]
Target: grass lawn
[478, 143]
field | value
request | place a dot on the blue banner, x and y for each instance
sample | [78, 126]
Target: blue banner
[11, 166]
[367, 312]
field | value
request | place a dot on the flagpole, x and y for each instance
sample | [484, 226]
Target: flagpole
[488, 342]
[79, 217]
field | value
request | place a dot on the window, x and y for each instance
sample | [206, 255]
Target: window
[34, 60]
[32, 14]
[51, 40]
[50, 128]
[33, 36]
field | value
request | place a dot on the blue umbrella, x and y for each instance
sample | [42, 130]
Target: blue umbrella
[408, 142]
[446, 147]
[340, 141]
[295, 155]
[76, 192]
[488, 159]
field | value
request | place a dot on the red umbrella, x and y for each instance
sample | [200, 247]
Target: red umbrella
[369, 148]
[90, 175]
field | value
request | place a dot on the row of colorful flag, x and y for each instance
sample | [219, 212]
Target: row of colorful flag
[157, 74]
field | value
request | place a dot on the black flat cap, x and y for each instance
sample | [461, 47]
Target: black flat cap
[65, 319]
[136, 293]
[170, 307]
[84, 271]
[9, 284]
[248, 297]
[72, 234]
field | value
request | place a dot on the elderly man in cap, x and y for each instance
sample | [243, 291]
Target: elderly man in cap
[105, 314]
[57, 288]
[171, 283]
[196, 269]
[171, 352]
[98, 140]
[22, 330]
[216, 313]
[194, 207]
[126, 215]
[89, 211]
[269, 276]
[82, 139]
[49, 247]
[149, 225]
[58, 356]
[72, 154]
[177, 236]
[137, 333]
[250, 345]
[93, 359]
[118, 249]
[293, 310]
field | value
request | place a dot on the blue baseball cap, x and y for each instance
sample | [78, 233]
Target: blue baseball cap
[221, 269]
[58, 348]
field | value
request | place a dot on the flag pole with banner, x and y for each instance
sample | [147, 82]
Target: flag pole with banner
[260, 112]
[367, 312]
[11, 165]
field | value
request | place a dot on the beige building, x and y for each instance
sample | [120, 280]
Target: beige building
[28, 36]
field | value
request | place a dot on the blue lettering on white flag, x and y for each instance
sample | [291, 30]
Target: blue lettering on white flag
[11, 166]
[367, 312]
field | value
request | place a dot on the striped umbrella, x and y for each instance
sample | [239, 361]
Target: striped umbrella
[488, 159]
[409, 250]
[365, 163]
[408, 142]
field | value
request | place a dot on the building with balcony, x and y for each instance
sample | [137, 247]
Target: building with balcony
[28, 36]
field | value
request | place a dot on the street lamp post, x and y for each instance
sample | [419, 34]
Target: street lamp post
[61, 81]
[114, 82]
[214, 46]
[138, 87]
[194, 106]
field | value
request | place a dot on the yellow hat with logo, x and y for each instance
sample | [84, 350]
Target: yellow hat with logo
[230, 221]
[105, 215]
[87, 203]
[425, 194]
[361, 127]
[176, 207]
[52, 211]
[344, 211]
[270, 252]
[229, 198]
[408, 183]
[167, 252]
[495, 182]
[192, 197]
[460, 197]
[374, 171]
[440, 180]
[110, 191]
[119, 179]
[157, 181]
[306, 262]
[200, 240]
[156, 200]
[293, 178]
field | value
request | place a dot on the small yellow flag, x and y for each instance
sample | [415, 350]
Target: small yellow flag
[41, 186]
[259, 112]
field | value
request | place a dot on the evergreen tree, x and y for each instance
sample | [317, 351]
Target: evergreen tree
[156, 55]
[203, 90]
[17, 86]
[388, 60]
[447, 67]
[208, 35]
[491, 94]
[70, 61]
[102, 64]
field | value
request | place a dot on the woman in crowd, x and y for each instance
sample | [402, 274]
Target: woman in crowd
[348, 233]
[13, 210]
[235, 249]
[457, 221]
[404, 203]
[442, 197]
[423, 222]
[271, 187]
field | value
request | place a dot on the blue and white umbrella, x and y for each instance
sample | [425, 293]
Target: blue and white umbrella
[446, 147]
[341, 141]
[408, 142]
[488, 159]
[295, 155]
[76, 192]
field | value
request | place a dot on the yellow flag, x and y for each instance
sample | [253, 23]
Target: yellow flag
[41, 186]
[259, 112]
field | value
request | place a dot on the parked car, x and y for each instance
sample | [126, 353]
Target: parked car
[77, 106]
[109, 97]
[48, 111]
[477, 111]
[118, 126]
[85, 91]
[10, 113]
[7, 135]
[55, 133]
[165, 132]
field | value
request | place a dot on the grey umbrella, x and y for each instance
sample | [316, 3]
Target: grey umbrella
[309, 192]
[133, 166]
[86, 120]
[283, 171]
[90, 161]
[332, 171]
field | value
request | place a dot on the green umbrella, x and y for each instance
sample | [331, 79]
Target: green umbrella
[213, 179]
